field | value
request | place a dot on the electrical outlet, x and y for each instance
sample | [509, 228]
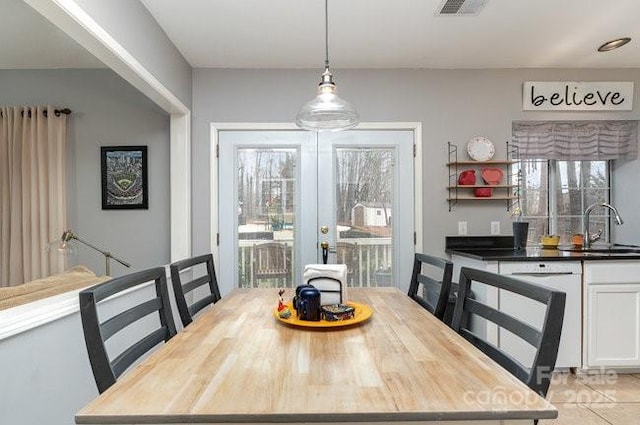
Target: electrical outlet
[495, 227]
[462, 227]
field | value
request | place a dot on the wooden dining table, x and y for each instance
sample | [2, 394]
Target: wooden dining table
[237, 363]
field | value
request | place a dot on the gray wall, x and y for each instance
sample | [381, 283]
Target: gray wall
[453, 105]
[133, 26]
[107, 111]
[626, 197]
[46, 375]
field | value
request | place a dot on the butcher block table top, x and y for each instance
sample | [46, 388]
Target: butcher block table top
[236, 363]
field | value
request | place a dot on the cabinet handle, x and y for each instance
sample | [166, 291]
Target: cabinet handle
[534, 274]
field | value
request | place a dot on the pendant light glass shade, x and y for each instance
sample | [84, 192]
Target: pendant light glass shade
[327, 112]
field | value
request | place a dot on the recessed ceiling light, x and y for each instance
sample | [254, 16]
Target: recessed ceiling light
[614, 44]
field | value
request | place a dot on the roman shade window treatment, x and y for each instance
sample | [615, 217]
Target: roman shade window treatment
[33, 191]
[576, 140]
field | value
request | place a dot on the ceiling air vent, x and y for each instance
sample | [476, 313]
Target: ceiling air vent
[461, 7]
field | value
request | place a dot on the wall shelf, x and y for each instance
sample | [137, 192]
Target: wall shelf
[476, 163]
[472, 186]
[480, 198]
[505, 191]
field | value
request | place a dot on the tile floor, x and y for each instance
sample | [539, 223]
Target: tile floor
[603, 399]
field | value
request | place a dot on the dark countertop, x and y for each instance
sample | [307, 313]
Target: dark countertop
[499, 248]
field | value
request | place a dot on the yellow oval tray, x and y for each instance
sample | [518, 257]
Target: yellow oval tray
[362, 313]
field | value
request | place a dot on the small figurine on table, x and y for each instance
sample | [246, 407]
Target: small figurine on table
[283, 310]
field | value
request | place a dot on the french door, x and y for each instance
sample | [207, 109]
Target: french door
[283, 194]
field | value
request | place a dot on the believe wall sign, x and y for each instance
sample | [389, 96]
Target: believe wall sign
[577, 96]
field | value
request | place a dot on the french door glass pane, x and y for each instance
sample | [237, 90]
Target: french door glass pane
[364, 205]
[283, 193]
[266, 216]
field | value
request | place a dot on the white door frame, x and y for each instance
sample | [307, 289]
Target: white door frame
[416, 127]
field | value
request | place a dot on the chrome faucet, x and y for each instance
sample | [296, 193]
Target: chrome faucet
[589, 239]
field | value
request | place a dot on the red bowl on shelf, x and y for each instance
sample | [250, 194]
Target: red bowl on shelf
[492, 176]
[467, 177]
[482, 192]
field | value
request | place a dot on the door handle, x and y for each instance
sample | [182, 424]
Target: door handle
[325, 251]
[332, 249]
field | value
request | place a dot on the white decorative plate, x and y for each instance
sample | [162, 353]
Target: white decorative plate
[480, 149]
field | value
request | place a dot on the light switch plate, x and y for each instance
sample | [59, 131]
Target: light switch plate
[495, 227]
[462, 228]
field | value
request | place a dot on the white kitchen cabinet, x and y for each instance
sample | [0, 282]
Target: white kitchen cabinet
[612, 314]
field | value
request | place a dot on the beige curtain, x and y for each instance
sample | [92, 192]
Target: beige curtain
[33, 191]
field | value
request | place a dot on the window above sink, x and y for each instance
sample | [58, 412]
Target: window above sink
[554, 195]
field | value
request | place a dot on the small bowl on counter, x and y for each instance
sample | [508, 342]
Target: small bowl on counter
[549, 241]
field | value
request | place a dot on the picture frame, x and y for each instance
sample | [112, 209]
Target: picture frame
[124, 177]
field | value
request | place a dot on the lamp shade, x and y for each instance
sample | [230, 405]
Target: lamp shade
[61, 247]
[327, 111]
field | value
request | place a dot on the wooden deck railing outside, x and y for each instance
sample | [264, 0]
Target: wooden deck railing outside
[368, 263]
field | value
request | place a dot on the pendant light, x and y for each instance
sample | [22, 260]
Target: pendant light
[327, 112]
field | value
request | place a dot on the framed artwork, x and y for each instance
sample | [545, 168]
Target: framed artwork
[124, 177]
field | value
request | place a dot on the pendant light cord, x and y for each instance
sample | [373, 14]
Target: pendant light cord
[326, 34]
[327, 111]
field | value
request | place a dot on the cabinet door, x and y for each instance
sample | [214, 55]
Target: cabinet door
[613, 325]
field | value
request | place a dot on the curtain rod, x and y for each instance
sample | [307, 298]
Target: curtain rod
[57, 112]
[65, 111]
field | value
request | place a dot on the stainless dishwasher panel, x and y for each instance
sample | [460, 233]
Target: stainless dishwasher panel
[560, 276]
